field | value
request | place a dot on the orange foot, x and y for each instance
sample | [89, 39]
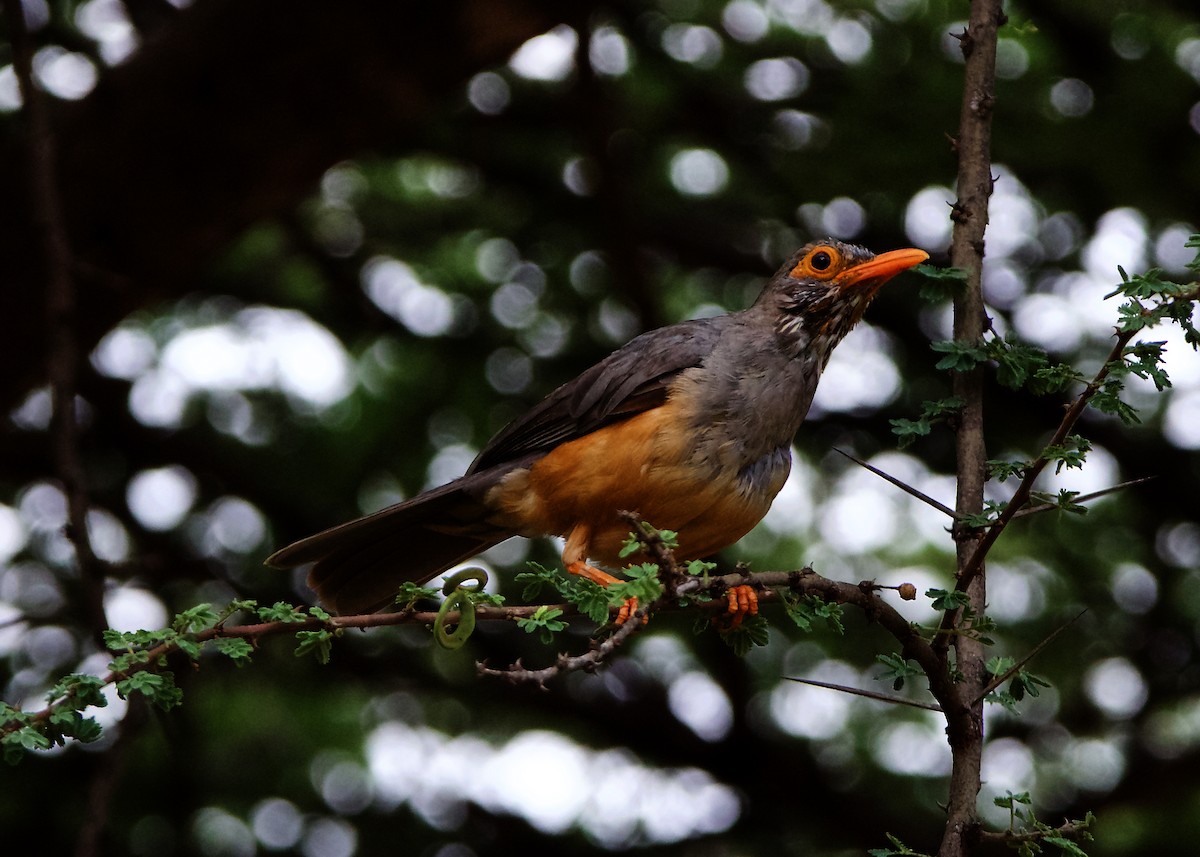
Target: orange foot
[743, 602]
[603, 578]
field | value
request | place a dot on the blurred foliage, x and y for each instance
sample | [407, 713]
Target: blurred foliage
[643, 163]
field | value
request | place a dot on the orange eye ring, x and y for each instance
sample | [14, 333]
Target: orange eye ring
[820, 263]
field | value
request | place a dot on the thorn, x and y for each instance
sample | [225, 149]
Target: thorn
[869, 694]
[903, 486]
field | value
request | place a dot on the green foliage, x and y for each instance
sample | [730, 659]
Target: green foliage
[948, 599]
[591, 599]
[544, 622]
[898, 849]
[316, 643]
[410, 593]
[1071, 453]
[642, 584]
[960, 356]
[633, 543]
[898, 669]
[1021, 684]
[932, 412]
[804, 610]
[1029, 834]
[752, 631]
[282, 612]
[940, 283]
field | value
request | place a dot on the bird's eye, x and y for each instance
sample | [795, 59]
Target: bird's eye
[820, 263]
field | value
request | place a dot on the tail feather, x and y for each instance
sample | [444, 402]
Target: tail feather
[360, 565]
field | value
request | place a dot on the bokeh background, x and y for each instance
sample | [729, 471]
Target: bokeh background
[324, 251]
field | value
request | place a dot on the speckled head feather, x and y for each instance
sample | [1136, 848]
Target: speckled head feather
[822, 291]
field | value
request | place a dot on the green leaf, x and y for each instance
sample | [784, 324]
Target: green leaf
[643, 584]
[1067, 846]
[194, 619]
[281, 611]
[932, 411]
[1010, 799]
[158, 688]
[960, 356]
[1107, 400]
[753, 631]
[80, 690]
[544, 622]
[410, 593]
[999, 665]
[1072, 452]
[898, 669]
[316, 643]
[948, 599]
[1053, 378]
[940, 283]
[234, 648]
[804, 610]
[1005, 470]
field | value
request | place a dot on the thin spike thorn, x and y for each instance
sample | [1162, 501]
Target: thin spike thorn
[869, 694]
[903, 486]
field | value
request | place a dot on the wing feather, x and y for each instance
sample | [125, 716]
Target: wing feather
[633, 379]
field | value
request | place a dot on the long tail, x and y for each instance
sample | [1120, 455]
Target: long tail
[360, 565]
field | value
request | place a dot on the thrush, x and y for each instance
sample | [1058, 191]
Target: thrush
[689, 425]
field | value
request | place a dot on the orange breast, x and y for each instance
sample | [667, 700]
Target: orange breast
[643, 464]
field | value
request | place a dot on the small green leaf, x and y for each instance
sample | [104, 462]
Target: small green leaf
[281, 612]
[234, 648]
[316, 643]
[544, 622]
[948, 599]
[753, 631]
[194, 619]
[960, 356]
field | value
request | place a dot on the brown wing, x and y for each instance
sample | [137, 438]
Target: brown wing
[632, 379]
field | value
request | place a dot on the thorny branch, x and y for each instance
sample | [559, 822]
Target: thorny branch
[964, 716]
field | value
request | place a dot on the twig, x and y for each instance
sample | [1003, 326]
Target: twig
[870, 694]
[1046, 507]
[1030, 655]
[903, 486]
[1074, 830]
[599, 651]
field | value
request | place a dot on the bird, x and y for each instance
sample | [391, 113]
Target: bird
[689, 425]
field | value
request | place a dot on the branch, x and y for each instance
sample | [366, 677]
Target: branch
[770, 585]
[1083, 498]
[1078, 830]
[1021, 495]
[964, 718]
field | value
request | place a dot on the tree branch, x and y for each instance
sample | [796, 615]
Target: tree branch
[964, 716]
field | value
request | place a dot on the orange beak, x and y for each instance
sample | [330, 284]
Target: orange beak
[875, 272]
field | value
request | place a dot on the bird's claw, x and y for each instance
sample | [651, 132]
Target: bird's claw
[627, 611]
[743, 602]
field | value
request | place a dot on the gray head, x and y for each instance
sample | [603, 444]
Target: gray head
[822, 291]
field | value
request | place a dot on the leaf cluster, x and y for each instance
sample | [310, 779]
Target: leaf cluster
[1029, 835]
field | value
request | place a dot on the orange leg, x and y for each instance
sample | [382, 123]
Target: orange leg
[595, 575]
[575, 559]
[743, 602]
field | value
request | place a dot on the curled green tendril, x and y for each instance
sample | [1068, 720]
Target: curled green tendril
[458, 598]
